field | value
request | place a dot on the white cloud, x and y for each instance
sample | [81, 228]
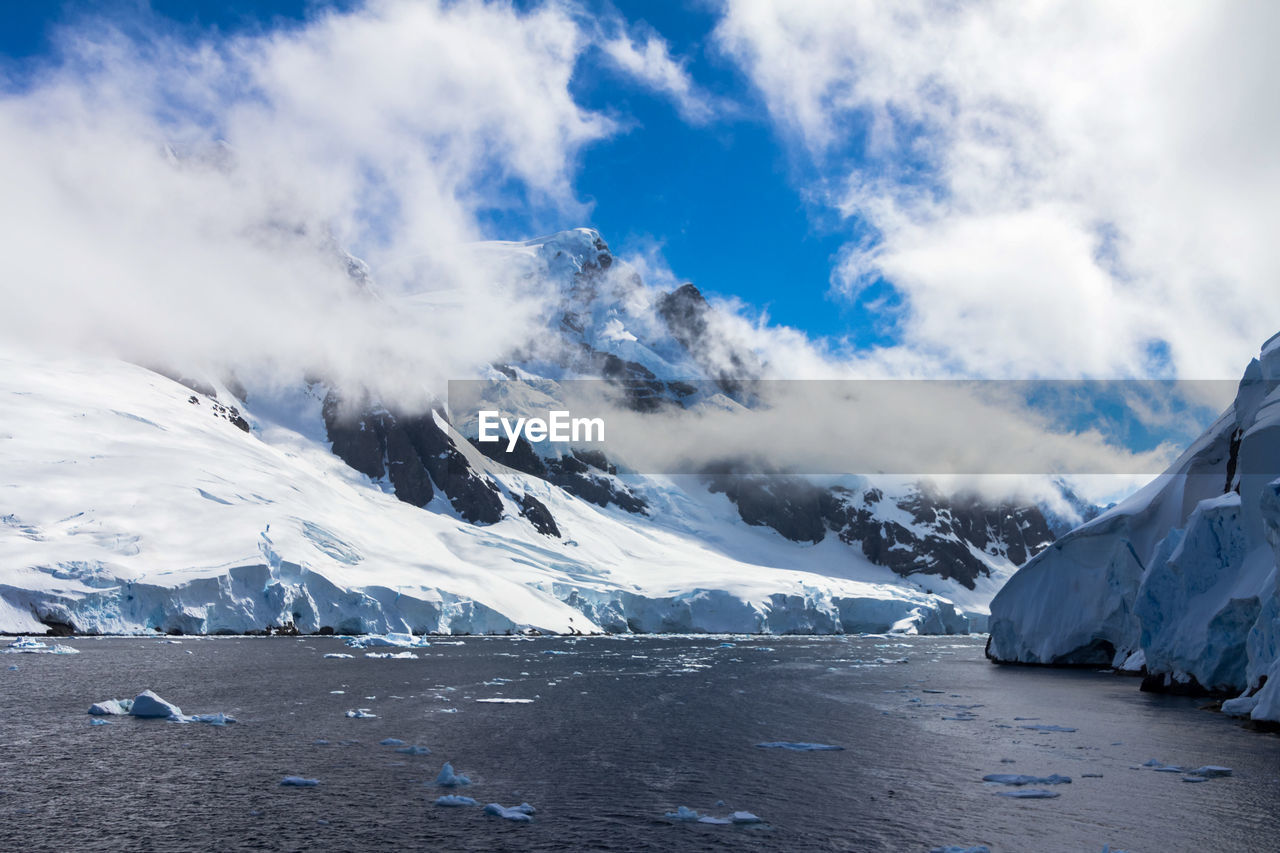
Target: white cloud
[648, 59]
[1059, 188]
[183, 203]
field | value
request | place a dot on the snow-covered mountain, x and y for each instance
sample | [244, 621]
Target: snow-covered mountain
[1180, 579]
[132, 501]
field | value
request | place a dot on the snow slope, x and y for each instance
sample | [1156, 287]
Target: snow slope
[1181, 577]
[131, 505]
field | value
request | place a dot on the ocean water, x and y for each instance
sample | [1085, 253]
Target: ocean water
[620, 731]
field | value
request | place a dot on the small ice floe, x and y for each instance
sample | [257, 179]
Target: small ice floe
[111, 708]
[522, 813]
[449, 779]
[1028, 794]
[501, 701]
[727, 646]
[319, 742]
[744, 817]
[956, 848]
[555, 652]
[339, 656]
[1049, 728]
[413, 749]
[683, 813]
[361, 714]
[391, 741]
[1022, 779]
[396, 640]
[799, 746]
[218, 719]
[32, 646]
[13, 667]
[99, 722]
[455, 800]
[392, 655]
[299, 782]
[170, 642]
[1210, 771]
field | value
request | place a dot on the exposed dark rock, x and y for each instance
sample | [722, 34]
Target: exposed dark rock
[792, 506]
[685, 312]
[804, 512]
[414, 453]
[539, 516]
[325, 631]
[54, 628]
[1162, 682]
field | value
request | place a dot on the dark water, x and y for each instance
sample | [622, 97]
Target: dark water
[621, 731]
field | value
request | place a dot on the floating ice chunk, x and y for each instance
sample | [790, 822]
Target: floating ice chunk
[1153, 762]
[744, 817]
[1022, 779]
[448, 779]
[391, 741]
[13, 667]
[716, 821]
[320, 742]
[397, 640]
[392, 655]
[148, 704]
[299, 782]
[31, 646]
[218, 719]
[111, 708]
[521, 813]
[799, 746]
[683, 813]
[502, 701]
[99, 722]
[1028, 794]
[1210, 771]
[455, 800]
[555, 652]
[361, 714]
[956, 848]
[727, 645]
[1050, 728]
[339, 655]
[414, 750]
[1240, 707]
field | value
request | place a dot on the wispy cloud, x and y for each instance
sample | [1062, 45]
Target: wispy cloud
[646, 56]
[1056, 188]
[185, 202]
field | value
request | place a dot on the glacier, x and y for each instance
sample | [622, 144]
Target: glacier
[1178, 581]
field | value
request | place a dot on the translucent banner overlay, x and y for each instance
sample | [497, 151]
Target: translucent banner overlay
[644, 425]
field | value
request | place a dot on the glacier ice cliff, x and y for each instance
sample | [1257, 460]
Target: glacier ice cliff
[1180, 578]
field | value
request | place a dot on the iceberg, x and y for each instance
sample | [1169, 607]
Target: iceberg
[447, 778]
[299, 782]
[148, 704]
[1020, 779]
[111, 708]
[520, 814]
